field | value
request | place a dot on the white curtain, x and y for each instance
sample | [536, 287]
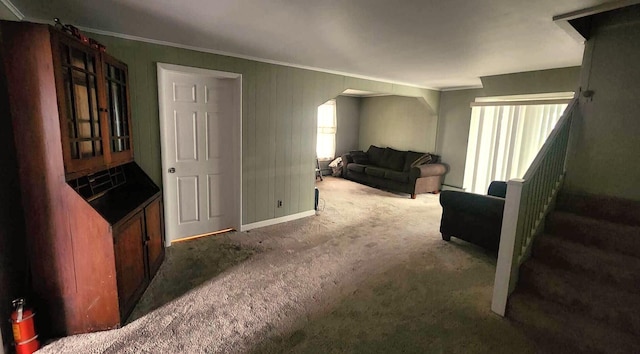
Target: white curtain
[327, 124]
[504, 140]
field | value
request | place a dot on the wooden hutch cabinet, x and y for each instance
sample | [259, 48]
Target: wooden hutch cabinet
[93, 217]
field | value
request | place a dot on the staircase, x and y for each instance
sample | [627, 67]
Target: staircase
[580, 290]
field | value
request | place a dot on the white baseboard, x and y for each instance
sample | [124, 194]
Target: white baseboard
[274, 221]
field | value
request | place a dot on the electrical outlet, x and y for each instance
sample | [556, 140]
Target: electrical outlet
[280, 203]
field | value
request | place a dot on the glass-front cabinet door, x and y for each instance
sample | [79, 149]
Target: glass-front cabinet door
[93, 101]
[118, 110]
[79, 75]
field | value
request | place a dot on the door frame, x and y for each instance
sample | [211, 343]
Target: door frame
[163, 70]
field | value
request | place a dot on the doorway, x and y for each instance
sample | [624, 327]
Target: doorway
[200, 138]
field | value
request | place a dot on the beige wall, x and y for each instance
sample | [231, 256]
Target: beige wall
[403, 123]
[348, 117]
[453, 132]
[279, 114]
[455, 111]
[541, 81]
[603, 158]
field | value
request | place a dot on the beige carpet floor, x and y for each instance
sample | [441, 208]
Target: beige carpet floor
[370, 274]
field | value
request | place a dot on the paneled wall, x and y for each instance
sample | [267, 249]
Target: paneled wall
[278, 120]
[402, 123]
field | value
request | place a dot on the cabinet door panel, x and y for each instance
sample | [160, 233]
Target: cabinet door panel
[155, 235]
[130, 262]
[78, 78]
[119, 117]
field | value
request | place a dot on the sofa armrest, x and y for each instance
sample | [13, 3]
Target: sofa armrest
[346, 159]
[427, 170]
[481, 205]
[472, 217]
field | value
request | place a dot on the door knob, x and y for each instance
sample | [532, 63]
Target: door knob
[172, 170]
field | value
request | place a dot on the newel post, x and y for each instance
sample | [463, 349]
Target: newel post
[507, 253]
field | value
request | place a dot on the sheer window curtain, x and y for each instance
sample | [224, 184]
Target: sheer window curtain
[504, 140]
[327, 127]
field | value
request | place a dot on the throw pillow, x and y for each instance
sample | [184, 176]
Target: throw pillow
[359, 157]
[424, 159]
[411, 156]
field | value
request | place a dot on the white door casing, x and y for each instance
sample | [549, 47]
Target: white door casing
[200, 118]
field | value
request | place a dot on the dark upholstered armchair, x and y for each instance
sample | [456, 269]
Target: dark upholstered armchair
[472, 217]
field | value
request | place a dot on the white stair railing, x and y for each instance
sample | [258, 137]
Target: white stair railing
[526, 205]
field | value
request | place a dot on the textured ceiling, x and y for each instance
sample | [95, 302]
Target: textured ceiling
[429, 43]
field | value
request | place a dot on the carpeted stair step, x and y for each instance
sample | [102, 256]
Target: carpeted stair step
[617, 210]
[581, 294]
[604, 235]
[617, 270]
[556, 329]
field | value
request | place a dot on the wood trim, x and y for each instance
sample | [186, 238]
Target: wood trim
[62, 103]
[521, 102]
[594, 10]
[14, 10]
[506, 251]
[564, 21]
[197, 71]
[223, 231]
[275, 221]
[104, 115]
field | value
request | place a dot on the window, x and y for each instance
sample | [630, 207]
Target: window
[327, 124]
[506, 135]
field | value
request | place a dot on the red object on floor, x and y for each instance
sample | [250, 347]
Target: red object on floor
[28, 347]
[24, 332]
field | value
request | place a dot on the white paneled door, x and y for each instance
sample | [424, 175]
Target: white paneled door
[200, 119]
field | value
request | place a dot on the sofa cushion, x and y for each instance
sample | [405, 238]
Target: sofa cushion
[359, 157]
[411, 157]
[375, 171]
[375, 155]
[393, 159]
[402, 177]
[355, 167]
